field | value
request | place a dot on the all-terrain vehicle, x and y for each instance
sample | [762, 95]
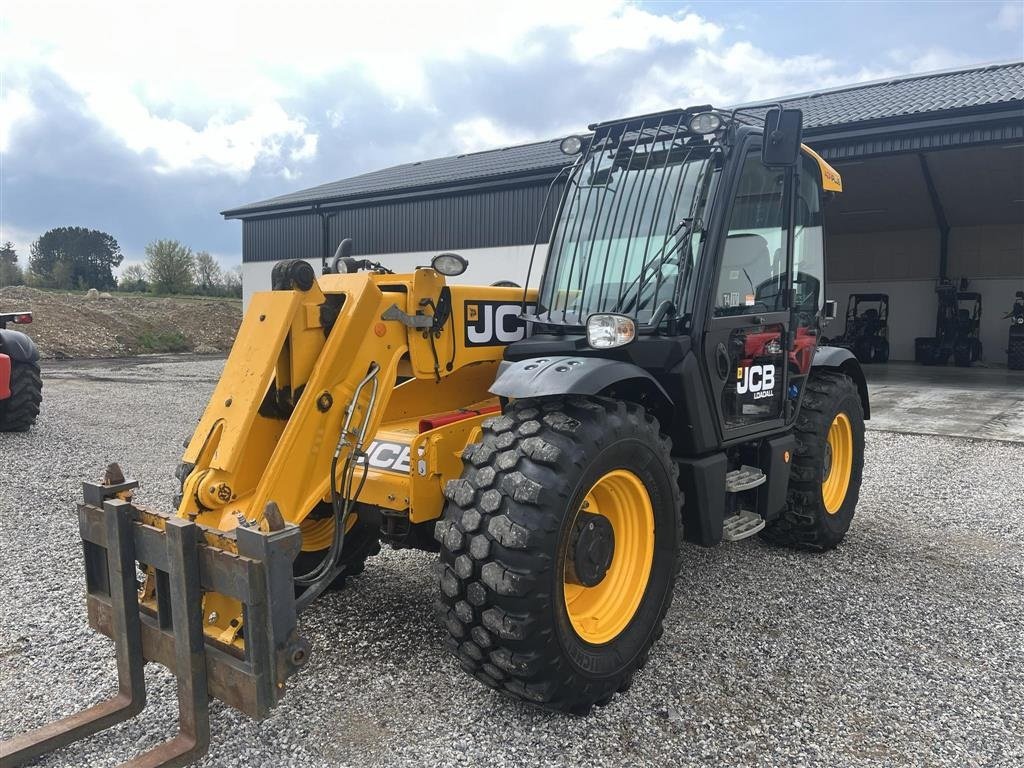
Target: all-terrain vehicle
[957, 328]
[556, 445]
[867, 327]
[1015, 343]
[21, 385]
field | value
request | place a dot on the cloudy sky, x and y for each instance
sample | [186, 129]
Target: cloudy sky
[146, 119]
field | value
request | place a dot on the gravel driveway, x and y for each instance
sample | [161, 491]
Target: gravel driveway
[903, 647]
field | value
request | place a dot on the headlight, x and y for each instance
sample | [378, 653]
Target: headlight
[705, 122]
[773, 347]
[449, 264]
[608, 331]
[571, 145]
[1020, 321]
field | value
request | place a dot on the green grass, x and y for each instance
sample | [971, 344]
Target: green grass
[156, 340]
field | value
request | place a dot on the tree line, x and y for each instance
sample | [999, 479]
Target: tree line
[77, 258]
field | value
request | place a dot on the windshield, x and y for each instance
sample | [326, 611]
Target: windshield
[628, 231]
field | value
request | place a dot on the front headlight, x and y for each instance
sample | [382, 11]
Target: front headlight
[606, 331]
[1020, 321]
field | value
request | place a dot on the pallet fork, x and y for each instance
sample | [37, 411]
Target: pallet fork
[116, 535]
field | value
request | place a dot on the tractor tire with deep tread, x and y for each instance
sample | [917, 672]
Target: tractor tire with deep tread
[806, 522]
[18, 412]
[505, 536]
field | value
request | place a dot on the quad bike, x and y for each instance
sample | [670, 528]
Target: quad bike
[867, 328]
[21, 385]
[957, 328]
[1015, 345]
[555, 445]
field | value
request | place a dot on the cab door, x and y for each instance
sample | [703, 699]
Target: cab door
[748, 334]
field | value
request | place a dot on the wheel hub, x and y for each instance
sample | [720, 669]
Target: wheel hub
[591, 550]
[827, 468]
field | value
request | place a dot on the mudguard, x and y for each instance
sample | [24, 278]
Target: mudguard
[565, 375]
[843, 360]
[19, 347]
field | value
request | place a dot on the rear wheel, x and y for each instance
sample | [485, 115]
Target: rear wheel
[559, 550]
[19, 411]
[825, 476]
[361, 543]
[1015, 352]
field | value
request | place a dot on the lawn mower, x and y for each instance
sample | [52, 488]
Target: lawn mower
[867, 327]
[21, 384]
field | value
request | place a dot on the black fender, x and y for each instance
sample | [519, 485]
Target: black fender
[19, 347]
[566, 375]
[843, 360]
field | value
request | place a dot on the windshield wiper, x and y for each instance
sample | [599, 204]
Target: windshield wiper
[661, 259]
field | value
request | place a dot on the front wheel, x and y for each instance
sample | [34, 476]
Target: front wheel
[825, 477]
[559, 550]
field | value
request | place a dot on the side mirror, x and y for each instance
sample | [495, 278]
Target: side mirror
[831, 308]
[783, 130]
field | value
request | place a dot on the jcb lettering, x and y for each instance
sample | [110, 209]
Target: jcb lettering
[492, 323]
[393, 457]
[758, 380]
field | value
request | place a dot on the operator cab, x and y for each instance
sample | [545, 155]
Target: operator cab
[689, 246]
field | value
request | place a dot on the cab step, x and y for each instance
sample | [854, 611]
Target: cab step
[742, 525]
[743, 479]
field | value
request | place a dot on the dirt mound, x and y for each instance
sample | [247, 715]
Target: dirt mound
[74, 325]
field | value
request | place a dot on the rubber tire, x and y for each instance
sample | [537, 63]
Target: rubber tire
[500, 573]
[361, 543]
[1015, 352]
[18, 412]
[967, 351]
[882, 356]
[805, 523]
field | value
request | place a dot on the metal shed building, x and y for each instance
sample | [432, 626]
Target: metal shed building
[932, 165]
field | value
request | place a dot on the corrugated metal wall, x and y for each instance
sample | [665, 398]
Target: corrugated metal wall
[482, 219]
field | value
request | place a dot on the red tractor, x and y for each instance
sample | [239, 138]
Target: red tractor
[21, 385]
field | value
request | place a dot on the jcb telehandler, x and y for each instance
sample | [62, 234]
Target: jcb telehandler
[557, 445]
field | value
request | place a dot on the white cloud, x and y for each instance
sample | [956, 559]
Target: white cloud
[631, 29]
[481, 133]
[15, 107]
[200, 85]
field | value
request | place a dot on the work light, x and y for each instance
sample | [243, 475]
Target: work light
[606, 331]
[571, 145]
[449, 264]
[705, 122]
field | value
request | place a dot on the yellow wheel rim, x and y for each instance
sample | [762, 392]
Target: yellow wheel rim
[317, 533]
[838, 463]
[600, 613]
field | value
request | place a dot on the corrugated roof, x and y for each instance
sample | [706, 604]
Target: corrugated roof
[865, 103]
[506, 162]
[901, 97]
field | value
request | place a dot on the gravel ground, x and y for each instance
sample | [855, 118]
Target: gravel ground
[903, 647]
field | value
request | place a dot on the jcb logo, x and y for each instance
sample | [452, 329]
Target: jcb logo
[393, 457]
[492, 323]
[758, 380]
